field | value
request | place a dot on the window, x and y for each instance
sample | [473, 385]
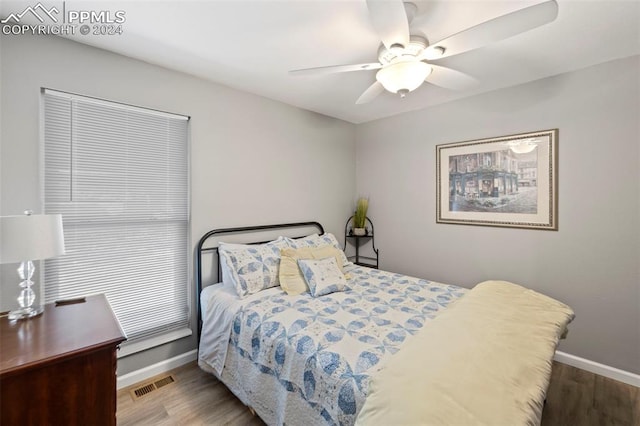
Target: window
[119, 176]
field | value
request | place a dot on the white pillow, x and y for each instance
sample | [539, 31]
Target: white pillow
[323, 276]
[315, 240]
[251, 268]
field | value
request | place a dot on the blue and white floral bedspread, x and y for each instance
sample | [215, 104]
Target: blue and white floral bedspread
[325, 349]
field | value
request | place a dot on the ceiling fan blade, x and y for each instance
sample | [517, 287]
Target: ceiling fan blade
[389, 20]
[450, 79]
[494, 30]
[371, 93]
[336, 68]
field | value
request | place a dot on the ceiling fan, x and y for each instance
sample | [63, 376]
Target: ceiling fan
[404, 60]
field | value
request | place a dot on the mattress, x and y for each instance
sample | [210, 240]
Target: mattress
[304, 360]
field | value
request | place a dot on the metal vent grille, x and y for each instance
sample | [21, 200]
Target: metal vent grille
[146, 389]
[164, 381]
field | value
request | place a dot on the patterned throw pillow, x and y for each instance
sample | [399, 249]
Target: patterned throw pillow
[291, 279]
[252, 268]
[323, 276]
[315, 240]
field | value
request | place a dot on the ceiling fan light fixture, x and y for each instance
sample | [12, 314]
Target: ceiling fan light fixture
[403, 77]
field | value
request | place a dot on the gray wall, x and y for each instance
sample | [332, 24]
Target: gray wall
[253, 160]
[591, 262]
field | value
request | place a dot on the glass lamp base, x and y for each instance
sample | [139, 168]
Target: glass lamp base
[24, 313]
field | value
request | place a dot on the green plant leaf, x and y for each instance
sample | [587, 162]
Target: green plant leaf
[360, 216]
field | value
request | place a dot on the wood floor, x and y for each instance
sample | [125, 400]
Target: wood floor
[575, 398]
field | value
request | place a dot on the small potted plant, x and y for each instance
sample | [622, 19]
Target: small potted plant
[360, 217]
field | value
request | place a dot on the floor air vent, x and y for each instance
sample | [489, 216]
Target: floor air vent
[146, 389]
[163, 382]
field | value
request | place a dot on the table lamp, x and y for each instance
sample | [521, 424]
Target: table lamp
[24, 239]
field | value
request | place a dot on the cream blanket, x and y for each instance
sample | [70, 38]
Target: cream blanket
[484, 361]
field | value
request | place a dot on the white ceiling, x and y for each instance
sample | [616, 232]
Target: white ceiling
[250, 45]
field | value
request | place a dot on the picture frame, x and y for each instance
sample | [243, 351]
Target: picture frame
[507, 181]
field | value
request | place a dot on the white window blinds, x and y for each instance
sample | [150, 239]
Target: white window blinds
[119, 177]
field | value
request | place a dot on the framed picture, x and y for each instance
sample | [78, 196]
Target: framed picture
[506, 181]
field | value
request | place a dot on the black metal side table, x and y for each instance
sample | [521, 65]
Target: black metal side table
[357, 241]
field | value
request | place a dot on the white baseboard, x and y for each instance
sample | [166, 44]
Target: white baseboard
[597, 368]
[155, 369]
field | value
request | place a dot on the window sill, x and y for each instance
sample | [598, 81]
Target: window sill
[127, 349]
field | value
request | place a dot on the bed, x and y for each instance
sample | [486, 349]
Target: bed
[299, 359]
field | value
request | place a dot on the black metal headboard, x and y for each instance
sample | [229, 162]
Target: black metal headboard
[243, 230]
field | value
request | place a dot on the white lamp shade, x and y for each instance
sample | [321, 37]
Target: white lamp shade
[30, 237]
[405, 75]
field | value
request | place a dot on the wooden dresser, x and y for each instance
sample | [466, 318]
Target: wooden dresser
[60, 367]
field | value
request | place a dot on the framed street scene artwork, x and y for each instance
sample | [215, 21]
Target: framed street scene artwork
[508, 181]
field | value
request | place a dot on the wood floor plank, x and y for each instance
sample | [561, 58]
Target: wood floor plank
[140, 412]
[598, 418]
[575, 374]
[567, 404]
[636, 409]
[575, 397]
[614, 400]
